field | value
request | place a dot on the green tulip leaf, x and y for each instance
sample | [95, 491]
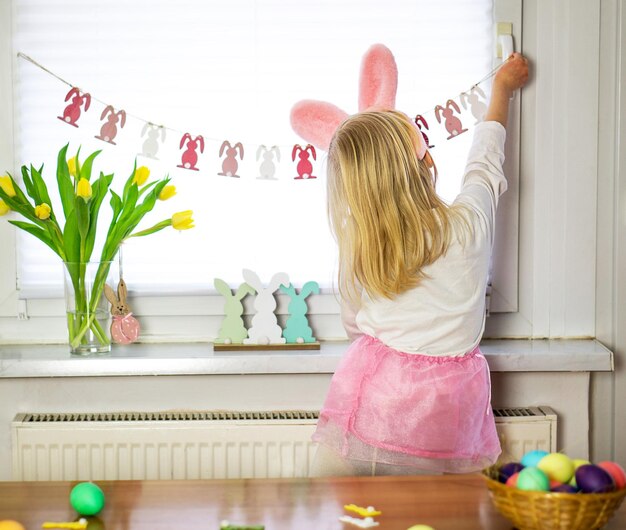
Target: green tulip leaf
[100, 188]
[65, 183]
[85, 169]
[28, 184]
[129, 182]
[42, 189]
[82, 217]
[39, 233]
[71, 238]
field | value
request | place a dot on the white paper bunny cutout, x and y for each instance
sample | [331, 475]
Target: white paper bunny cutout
[265, 328]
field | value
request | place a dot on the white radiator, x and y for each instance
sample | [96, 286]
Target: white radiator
[524, 429]
[204, 445]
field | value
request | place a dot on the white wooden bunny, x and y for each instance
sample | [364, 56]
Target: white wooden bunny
[265, 328]
[125, 327]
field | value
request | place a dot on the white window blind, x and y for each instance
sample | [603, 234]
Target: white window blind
[229, 71]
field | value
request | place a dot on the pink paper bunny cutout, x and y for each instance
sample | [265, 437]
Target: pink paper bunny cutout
[317, 121]
[125, 327]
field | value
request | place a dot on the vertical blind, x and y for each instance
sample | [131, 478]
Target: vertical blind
[228, 71]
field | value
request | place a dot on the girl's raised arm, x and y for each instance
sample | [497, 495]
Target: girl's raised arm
[512, 75]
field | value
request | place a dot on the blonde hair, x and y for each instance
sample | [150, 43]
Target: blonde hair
[383, 209]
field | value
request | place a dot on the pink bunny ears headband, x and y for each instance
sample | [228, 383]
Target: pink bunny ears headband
[317, 121]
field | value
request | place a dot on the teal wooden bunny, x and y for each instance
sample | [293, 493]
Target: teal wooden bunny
[233, 330]
[297, 329]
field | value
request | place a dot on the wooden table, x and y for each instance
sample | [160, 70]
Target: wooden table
[444, 502]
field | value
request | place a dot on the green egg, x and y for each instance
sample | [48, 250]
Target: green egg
[533, 479]
[87, 498]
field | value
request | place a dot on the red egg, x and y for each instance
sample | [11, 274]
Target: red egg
[512, 480]
[616, 471]
[594, 479]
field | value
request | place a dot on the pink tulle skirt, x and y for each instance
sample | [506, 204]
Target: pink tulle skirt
[390, 407]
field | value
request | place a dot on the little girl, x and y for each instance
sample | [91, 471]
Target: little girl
[412, 393]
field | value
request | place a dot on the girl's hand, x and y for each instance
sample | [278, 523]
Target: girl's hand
[513, 74]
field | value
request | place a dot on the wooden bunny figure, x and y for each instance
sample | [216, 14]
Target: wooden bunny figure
[265, 328]
[233, 330]
[125, 327]
[297, 329]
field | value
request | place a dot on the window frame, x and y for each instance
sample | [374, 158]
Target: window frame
[192, 318]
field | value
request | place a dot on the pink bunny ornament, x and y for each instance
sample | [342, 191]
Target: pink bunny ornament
[317, 121]
[125, 327]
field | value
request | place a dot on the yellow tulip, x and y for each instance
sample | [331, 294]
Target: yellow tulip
[7, 186]
[167, 193]
[4, 208]
[71, 166]
[182, 220]
[83, 189]
[42, 211]
[141, 175]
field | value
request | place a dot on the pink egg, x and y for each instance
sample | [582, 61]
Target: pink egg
[616, 471]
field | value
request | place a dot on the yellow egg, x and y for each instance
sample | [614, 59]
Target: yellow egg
[10, 525]
[557, 466]
[421, 527]
[577, 463]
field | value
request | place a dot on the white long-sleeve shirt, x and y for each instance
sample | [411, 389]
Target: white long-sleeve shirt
[445, 314]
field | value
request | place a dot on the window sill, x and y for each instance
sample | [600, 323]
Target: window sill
[27, 361]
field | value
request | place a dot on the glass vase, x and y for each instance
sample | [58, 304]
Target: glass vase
[87, 309]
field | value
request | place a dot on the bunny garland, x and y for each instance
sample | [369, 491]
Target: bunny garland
[315, 121]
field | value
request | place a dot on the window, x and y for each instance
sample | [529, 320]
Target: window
[231, 71]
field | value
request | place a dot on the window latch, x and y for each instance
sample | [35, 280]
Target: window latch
[22, 310]
[488, 300]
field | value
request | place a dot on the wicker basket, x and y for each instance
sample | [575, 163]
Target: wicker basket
[538, 510]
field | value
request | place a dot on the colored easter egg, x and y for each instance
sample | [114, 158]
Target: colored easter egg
[421, 527]
[532, 458]
[564, 488]
[616, 471]
[87, 498]
[577, 463]
[507, 470]
[10, 525]
[557, 466]
[512, 481]
[532, 479]
[594, 479]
